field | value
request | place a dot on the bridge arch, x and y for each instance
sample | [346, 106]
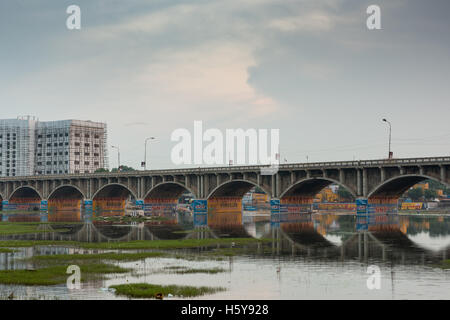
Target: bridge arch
[312, 186]
[167, 189]
[396, 186]
[234, 188]
[114, 192]
[25, 191]
[63, 188]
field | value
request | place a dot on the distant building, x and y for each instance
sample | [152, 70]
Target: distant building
[32, 147]
[17, 141]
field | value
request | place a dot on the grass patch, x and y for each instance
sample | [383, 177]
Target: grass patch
[56, 274]
[9, 228]
[145, 290]
[31, 243]
[184, 270]
[6, 250]
[97, 256]
[445, 264]
[169, 244]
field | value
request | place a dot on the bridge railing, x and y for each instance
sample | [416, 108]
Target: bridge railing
[310, 165]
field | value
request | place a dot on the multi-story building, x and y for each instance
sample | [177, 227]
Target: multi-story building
[54, 147]
[17, 141]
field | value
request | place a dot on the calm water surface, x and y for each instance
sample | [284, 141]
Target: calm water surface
[320, 256]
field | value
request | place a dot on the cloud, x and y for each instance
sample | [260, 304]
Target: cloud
[312, 21]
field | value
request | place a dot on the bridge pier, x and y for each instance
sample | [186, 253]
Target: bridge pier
[140, 203]
[376, 205]
[200, 212]
[44, 205]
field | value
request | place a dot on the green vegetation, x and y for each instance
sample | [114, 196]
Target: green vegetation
[73, 258]
[344, 194]
[6, 250]
[186, 270]
[31, 243]
[169, 244]
[55, 274]
[415, 194]
[199, 270]
[430, 194]
[8, 228]
[145, 290]
[138, 244]
[121, 169]
[445, 264]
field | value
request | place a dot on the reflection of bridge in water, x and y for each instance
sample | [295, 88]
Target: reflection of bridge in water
[375, 236]
[384, 241]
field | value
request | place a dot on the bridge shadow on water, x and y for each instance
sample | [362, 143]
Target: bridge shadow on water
[337, 237]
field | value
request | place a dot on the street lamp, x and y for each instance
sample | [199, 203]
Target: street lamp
[390, 131]
[144, 164]
[118, 157]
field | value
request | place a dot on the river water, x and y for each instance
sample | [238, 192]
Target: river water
[321, 256]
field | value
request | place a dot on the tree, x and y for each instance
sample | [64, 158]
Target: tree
[415, 194]
[430, 194]
[344, 194]
[101, 170]
[123, 169]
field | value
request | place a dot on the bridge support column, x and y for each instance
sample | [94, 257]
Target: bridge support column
[88, 206]
[362, 206]
[44, 205]
[140, 204]
[442, 174]
[200, 212]
[275, 211]
[5, 205]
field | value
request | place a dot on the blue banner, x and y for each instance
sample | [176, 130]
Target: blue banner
[200, 209]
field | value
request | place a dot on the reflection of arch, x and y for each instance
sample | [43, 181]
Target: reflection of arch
[304, 235]
[312, 186]
[65, 186]
[398, 185]
[24, 188]
[111, 231]
[168, 189]
[234, 188]
[112, 185]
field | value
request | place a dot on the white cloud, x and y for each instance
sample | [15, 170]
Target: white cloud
[312, 21]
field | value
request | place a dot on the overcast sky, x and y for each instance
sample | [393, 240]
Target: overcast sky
[309, 68]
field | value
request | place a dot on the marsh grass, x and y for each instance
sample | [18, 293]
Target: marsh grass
[9, 228]
[186, 270]
[59, 258]
[146, 290]
[445, 264]
[139, 244]
[54, 275]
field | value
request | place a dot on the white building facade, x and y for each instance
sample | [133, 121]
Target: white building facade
[32, 147]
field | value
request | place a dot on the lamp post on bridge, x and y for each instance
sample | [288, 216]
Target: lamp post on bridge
[118, 157]
[390, 131]
[144, 164]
